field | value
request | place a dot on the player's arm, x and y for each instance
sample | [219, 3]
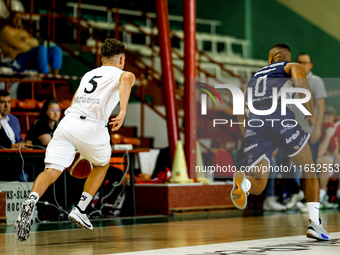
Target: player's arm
[297, 72]
[127, 80]
[241, 118]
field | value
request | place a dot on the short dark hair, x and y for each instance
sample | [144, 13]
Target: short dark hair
[281, 46]
[112, 47]
[4, 93]
[304, 53]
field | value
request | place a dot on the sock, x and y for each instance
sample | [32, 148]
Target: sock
[84, 201]
[34, 196]
[248, 185]
[313, 210]
[322, 193]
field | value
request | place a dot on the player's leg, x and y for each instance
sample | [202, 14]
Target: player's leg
[92, 184]
[324, 175]
[59, 155]
[95, 179]
[258, 177]
[44, 180]
[22, 226]
[98, 152]
[303, 159]
[311, 184]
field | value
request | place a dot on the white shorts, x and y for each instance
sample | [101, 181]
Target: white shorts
[88, 137]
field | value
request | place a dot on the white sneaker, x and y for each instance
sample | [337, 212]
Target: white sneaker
[270, 204]
[80, 218]
[317, 231]
[295, 199]
[304, 208]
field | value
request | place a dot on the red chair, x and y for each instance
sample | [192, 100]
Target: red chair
[40, 104]
[27, 104]
[13, 103]
[131, 140]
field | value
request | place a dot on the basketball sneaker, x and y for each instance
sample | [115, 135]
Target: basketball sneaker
[80, 218]
[239, 194]
[22, 226]
[317, 231]
[270, 204]
[295, 199]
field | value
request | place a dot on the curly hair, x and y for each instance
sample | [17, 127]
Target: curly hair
[112, 47]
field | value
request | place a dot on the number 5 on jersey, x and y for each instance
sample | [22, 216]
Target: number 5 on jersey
[94, 84]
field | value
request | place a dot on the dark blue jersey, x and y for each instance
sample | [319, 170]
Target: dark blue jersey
[263, 82]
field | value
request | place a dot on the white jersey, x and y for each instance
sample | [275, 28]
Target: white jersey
[97, 94]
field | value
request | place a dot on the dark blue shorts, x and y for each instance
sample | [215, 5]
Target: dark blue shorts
[262, 140]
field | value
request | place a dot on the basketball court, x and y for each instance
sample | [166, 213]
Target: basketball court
[227, 232]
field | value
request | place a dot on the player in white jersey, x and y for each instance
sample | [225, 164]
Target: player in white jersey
[84, 128]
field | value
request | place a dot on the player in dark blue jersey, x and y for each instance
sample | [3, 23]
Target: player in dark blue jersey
[268, 126]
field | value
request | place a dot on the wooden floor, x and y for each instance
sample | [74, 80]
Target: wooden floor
[150, 233]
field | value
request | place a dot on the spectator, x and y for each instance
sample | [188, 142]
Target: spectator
[42, 130]
[5, 142]
[328, 155]
[17, 44]
[319, 95]
[10, 124]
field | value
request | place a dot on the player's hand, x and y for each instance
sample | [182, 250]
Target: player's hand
[117, 122]
[310, 120]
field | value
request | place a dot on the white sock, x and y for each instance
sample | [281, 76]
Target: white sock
[84, 201]
[322, 193]
[34, 196]
[313, 210]
[248, 185]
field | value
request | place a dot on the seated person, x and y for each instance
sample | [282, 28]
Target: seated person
[17, 44]
[42, 130]
[10, 125]
[5, 142]
[328, 155]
